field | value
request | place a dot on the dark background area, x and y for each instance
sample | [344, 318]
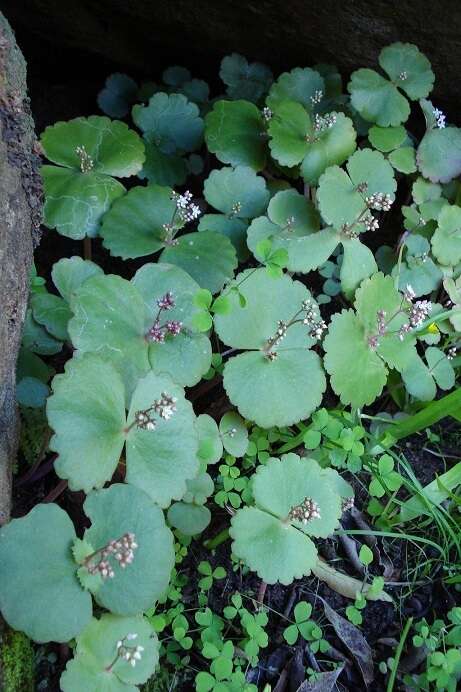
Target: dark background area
[71, 46]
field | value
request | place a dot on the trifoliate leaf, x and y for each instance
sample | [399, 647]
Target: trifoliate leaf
[387, 138]
[301, 84]
[418, 380]
[110, 319]
[135, 226]
[208, 257]
[404, 160]
[409, 68]
[249, 81]
[418, 269]
[170, 121]
[439, 154]
[162, 169]
[87, 413]
[210, 445]
[40, 592]
[446, 241]
[118, 95]
[234, 133]
[357, 373]
[237, 192]
[114, 512]
[376, 99]
[189, 519]
[173, 444]
[187, 355]
[109, 146]
[69, 273]
[99, 666]
[76, 202]
[234, 434]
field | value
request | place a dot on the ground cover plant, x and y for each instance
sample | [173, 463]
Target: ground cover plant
[238, 389]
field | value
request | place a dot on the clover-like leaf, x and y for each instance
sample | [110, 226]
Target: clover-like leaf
[99, 664]
[160, 461]
[301, 84]
[278, 390]
[446, 241]
[418, 269]
[249, 81]
[292, 498]
[234, 434]
[185, 356]
[208, 257]
[234, 133]
[237, 192]
[170, 121]
[118, 95]
[135, 226]
[110, 319]
[439, 154]
[87, 414]
[40, 592]
[76, 202]
[114, 512]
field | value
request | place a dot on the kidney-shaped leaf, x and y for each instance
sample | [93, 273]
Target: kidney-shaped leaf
[234, 133]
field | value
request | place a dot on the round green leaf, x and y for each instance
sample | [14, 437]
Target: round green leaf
[275, 551]
[404, 160]
[76, 202]
[186, 356]
[280, 392]
[210, 445]
[387, 138]
[40, 592]
[113, 148]
[418, 380]
[170, 121]
[376, 99]
[35, 338]
[333, 146]
[358, 264]
[134, 226]
[446, 241]
[199, 489]
[301, 84]
[87, 414]
[173, 445]
[69, 273]
[32, 392]
[439, 154]
[209, 257]
[245, 80]
[409, 68]
[235, 229]
[293, 213]
[234, 434]
[118, 95]
[233, 132]
[122, 509]
[163, 169]
[290, 128]
[110, 319]
[357, 373]
[237, 192]
[93, 668]
[189, 519]
[53, 313]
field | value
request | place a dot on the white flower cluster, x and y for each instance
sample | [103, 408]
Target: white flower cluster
[317, 97]
[131, 654]
[451, 352]
[371, 224]
[308, 509]
[379, 201]
[164, 407]
[121, 549]
[403, 75]
[187, 210]
[439, 118]
[324, 122]
[313, 320]
[86, 162]
[266, 113]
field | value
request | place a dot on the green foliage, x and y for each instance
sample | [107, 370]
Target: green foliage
[17, 663]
